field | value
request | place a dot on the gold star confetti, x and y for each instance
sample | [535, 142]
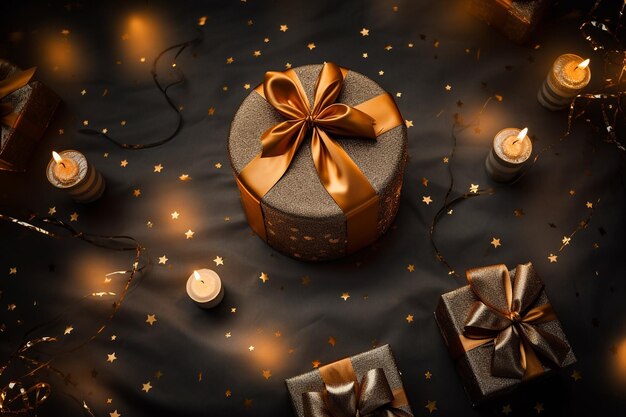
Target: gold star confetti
[109, 400]
[123, 163]
[74, 217]
[345, 296]
[146, 387]
[13, 270]
[365, 32]
[306, 280]
[408, 123]
[246, 86]
[158, 168]
[448, 87]
[381, 72]
[151, 319]
[431, 406]
[388, 48]
[83, 92]
[247, 403]
[316, 364]
[189, 234]
[589, 204]
[425, 181]
[142, 59]
[85, 122]
[233, 310]
[538, 407]
[507, 409]
[267, 374]
[230, 60]
[184, 177]
[175, 215]
[552, 258]
[250, 348]
[163, 260]
[364, 54]
[277, 333]
[518, 212]
[332, 341]
[410, 267]
[113, 338]
[473, 188]
[211, 111]
[445, 159]
[228, 335]
[576, 375]
[572, 192]
[111, 357]
[284, 28]
[218, 260]
[68, 329]
[158, 374]
[311, 46]
[65, 32]
[114, 414]
[61, 131]
[11, 307]
[428, 375]
[123, 123]
[288, 65]
[495, 242]
[256, 54]
[137, 192]
[398, 94]
[149, 224]
[218, 165]
[409, 318]
[106, 154]
[228, 393]
[566, 240]
[202, 20]
[427, 200]
[264, 277]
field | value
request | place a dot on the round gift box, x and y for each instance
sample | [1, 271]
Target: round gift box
[301, 218]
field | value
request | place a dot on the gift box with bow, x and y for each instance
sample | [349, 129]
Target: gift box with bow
[516, 19]
[26, 108]
[365, 385]
[318, 153]
[501, 330]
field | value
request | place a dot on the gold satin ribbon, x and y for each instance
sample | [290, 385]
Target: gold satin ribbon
[508, 308]
[9, 85]
[338, 173]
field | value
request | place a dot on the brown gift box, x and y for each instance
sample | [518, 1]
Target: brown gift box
[514, 18]
[474, 366]
[381, 357]
[35, 104]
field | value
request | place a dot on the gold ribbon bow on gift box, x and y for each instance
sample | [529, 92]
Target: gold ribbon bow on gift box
[12, 83]
[502, 315]
[372, 398]
[341, 177]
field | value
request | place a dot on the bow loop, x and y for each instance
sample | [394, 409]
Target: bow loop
[285, 94]
[9, 85]
[327, 87]
[341, 119]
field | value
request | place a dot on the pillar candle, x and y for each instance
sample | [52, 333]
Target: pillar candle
[205, 288]
[70, 171]
[567, 77]
[510, 152]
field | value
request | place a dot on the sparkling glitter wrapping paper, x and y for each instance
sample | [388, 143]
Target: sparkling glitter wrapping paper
[474, 366]
[514, 18]
[36, 105]
[301, 218]
[381, 357]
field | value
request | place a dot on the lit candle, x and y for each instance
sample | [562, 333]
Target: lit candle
[70, 171]
[205, 288]
[567, 77]
[511, 150]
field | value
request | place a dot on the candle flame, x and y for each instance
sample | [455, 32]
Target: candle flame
[583, 64]
[522, 134]
[57, 157]
[197, 276]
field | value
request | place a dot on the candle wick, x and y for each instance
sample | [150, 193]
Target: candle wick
[202, 281]
[62, 164]
[515, 141]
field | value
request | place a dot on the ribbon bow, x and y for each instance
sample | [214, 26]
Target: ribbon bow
[503, 315]
[372, 398]
[9, 85]
[339, 175]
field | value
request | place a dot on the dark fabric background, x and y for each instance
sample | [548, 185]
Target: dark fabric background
[586, 285]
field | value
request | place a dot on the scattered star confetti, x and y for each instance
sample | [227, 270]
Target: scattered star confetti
[332, 341]
[202, 20]
[495, 242]
[311, 46]
[246, 86]
[233, 310]
[228, 393]
[589, 204]
[448, 87]
[158, 374]
[552, 258]
[507, 409]
[163, 260]
[184, 177]
[74, 217]
[123, 163]
[473, 188]
[431, 406]
[345, 296]
[137, 192]
[65, 32]
[316, 364]
[146, 387]
[306, 280]
[381, 72]
[576, 375]
[149, 224]
[114, 414]
[410, 267]
[427, 200]
[267, 374]
[538, 407]
[250, 348]
[211, 111]
[158, 168]
[424, 182]
[175, 215]
[365, 32]
[189, 234]
[227, 335]
[151, 319]
[113, 338]
[409, 318]
[218, 260]
[428, 375]
[256, 54]
[218, 165]
[83, 92]
[111, 357]
[230, 60]
[284, 28]
[445, 159]
[566, 240]
[408, 123]
[264, 277]
[518, 212]
[68, 329]
[13, 270]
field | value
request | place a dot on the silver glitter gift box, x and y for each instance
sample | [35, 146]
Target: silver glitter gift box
[358, 366]
[301, 218]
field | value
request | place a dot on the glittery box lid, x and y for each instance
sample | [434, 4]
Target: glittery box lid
[475, 366]
[381, 357]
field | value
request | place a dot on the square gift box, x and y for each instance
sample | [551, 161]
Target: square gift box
[501, 330]
[26, 108]
[376, 385]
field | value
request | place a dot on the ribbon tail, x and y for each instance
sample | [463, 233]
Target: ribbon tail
[349, 187]
[16, 81]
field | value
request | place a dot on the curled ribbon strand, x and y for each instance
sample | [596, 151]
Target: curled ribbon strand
[502, 315]
[338, 173]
